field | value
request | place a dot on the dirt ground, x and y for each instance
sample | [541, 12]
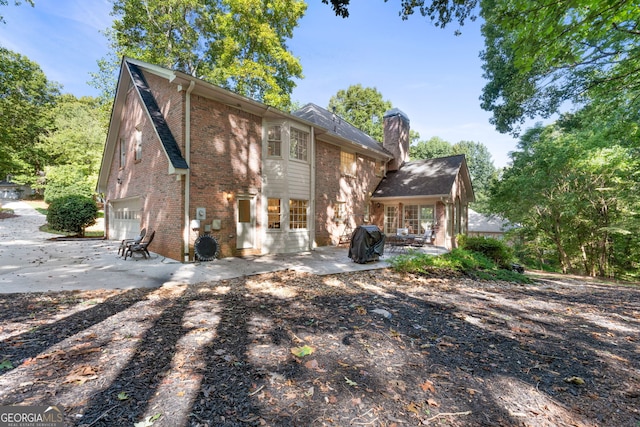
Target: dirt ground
[371, 348]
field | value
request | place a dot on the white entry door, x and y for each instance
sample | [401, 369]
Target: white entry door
[246, 222]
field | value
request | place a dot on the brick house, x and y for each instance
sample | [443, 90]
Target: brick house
[185, 158]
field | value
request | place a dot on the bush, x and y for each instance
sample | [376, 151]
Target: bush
[72, 214]
[473, 264]
[494, 249]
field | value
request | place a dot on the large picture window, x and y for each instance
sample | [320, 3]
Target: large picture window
[298, 214]
[299, 144]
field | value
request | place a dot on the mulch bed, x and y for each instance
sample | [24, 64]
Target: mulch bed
[373, 348]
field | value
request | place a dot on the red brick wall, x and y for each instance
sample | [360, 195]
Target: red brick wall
[332, 186]
[148, 178]
[226, 147]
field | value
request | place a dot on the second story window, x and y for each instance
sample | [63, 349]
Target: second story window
[299, 144]
[138, 143]
[123, 152]
[274, 141]
[347, 163]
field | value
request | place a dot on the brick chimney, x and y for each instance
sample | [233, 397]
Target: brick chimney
[396, 137]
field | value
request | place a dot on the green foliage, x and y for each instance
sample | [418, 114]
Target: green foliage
[72, 214]
[237, 44]
[470, 263]
[573, 187]
[538, 55]
[430, 149]
[494, 249]
[25, 104]
[362, 107]
[74, 148]
[65, 181]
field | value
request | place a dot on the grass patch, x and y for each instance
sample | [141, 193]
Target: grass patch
[470, 263]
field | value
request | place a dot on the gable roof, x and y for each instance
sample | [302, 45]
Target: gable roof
[337, 126]
[424, 178]
[157, 118]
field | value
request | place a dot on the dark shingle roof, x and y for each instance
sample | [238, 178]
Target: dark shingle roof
[432, 177]
[337, 126]
[162, 128]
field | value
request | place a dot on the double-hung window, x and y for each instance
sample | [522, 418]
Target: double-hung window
[299, 144]
[274, 141]
[274, 214]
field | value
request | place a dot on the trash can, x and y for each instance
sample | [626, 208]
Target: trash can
[367, 244]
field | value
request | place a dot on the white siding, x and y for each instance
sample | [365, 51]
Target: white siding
[286, 179]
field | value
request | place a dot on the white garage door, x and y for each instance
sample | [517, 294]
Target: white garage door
[124, 219]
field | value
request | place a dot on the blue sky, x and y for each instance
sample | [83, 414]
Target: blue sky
[429, 73]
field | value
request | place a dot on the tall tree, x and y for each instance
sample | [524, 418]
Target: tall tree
[539, 54]
[26, 99]
[237, 44]
[573, 186]
[75, 144]
[363, 107]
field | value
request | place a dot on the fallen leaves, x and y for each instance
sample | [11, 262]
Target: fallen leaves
[80, 375]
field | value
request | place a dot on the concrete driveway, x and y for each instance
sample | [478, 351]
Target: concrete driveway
[31, 262]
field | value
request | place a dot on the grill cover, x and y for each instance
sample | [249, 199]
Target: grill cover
[367, 244]
[206, 248]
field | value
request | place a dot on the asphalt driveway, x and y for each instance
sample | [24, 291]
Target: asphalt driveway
[31, 262]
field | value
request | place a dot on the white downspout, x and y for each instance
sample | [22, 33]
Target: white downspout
[312, 204]
[187, 177]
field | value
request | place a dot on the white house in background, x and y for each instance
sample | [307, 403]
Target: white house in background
[481, 225]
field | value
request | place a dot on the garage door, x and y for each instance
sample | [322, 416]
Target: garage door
[124, 218]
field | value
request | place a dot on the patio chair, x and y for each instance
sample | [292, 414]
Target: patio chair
[140, 247]
[425, 239]
[135, 240]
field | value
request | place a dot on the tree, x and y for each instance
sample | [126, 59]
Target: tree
[362, 107]
[237, 44]
[573, 187]
[441, 12]
[26, 100]
[74, 147]
[16, 2]
[481, 169]
[430, 149]
[539, 55]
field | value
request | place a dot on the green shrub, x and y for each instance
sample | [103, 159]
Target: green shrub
[72, 214]
[494, 249]
[470, 263]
